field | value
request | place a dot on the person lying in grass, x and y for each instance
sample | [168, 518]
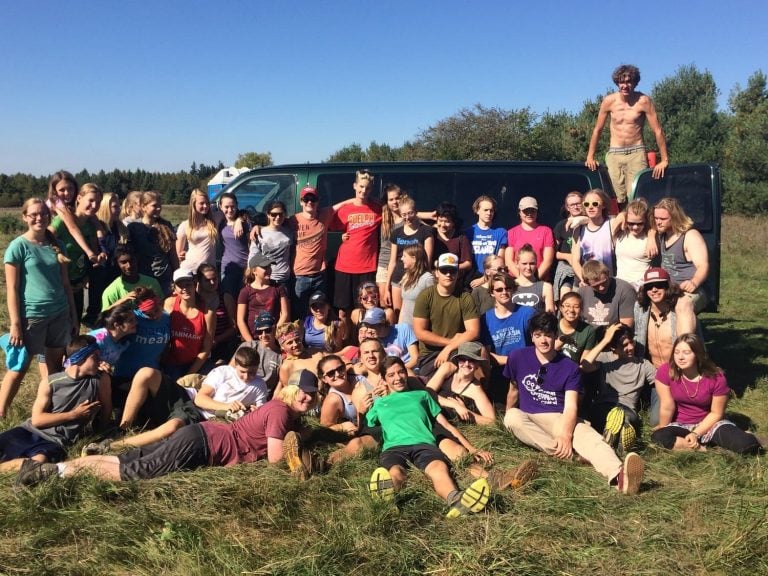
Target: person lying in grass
[406, 418]
[693, 394]
[546, 387]
[66, 403]
[261, 434]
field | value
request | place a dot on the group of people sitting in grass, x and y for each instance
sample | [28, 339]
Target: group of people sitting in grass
[175, 379]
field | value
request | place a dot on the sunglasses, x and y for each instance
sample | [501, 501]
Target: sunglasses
[276, 214]
[261, 331]
[635, 224]
[448, 271]
[659, 285]
[505, 289]
[340, 371]
[530, 211]
[309, 199]
[591, 204]
[500, 270]
[540, 373]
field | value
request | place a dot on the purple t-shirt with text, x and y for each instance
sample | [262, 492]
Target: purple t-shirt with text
[542, 387]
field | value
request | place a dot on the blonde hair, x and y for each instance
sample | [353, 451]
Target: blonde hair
[104, 215]
[387, 216]
[679, 221]
[288, 394]
[197, 220]
[364, 174]
[132, 204]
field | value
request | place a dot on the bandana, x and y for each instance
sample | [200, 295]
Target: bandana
[148, 305]
[81, 355]
[288, 336]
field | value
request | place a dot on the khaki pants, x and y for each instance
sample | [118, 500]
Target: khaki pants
[540, 431]
[623, 167]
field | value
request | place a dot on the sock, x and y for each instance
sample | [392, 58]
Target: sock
[453, 496]
[61, 466]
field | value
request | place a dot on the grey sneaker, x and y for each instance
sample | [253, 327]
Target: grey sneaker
[33, 472]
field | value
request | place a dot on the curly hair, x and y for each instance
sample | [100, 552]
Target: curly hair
[626, 73]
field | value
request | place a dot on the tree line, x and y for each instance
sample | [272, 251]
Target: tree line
[736, 139]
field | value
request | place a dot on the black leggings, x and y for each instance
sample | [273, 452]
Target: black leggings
[728, 436]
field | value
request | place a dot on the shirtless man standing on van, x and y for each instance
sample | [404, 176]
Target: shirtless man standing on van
[629, 110]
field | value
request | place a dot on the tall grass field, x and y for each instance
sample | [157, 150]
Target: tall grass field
[696, 514]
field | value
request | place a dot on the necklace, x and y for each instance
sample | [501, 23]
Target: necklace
[660, 320]
[697, 380]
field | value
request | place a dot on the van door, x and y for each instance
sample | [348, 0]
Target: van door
[697, 188]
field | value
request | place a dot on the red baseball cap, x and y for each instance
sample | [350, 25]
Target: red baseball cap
[655, 275]
[307, 190]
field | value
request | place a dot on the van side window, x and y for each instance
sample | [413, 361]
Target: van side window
[253, 194]
[692, 188]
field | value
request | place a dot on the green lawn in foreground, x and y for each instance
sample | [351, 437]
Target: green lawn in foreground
[697, 513]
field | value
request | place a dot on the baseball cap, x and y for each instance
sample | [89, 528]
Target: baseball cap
[304, 379]
[259, 260]
[653, 275]
[317, 298]
[16, 357]
[374, 316]
[264, 320]
[448, 260]
[528, 202]
[182, 274]
[469, 350]
[308, 191]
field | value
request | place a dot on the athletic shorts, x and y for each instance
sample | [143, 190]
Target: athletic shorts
[171, 401]
[420, 455]
[186, 449]
[19, 442]
[48, 332]
[345, 289]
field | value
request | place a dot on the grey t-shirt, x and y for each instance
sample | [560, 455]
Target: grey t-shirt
[276, 245]
[409, 296]
[269, 363]
[622, 381]
[606, 309]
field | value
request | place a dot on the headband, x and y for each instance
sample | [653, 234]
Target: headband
[81, 355]
[149, 304]
[287, 336]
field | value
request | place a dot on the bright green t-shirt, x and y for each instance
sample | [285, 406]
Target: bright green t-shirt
[78, 267]
[406, 418]
[119, 288]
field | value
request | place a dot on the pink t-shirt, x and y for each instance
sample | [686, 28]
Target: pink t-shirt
[359, 254]
[693, 400]
[262, 300]
[245, 440]
[539, 238]
[311, 242]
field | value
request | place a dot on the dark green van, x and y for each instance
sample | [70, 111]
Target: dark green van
[696, 187]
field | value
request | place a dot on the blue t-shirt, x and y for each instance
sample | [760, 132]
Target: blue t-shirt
[506, 334]
[485, 242]
[146, 346]
[313, 337]
[397, 341]
[542, 387]
[109, 348]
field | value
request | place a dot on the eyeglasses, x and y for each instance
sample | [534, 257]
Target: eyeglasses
[262, 331]
[276, 214]
[591, 204]
[633, 224]
[36, 215]
[540, 373]
[505, 289]
[309, 199]
[340, 371]
[659, 285]
[574, 204]
[448, 271]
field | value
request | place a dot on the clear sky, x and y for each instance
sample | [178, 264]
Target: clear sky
[104, 84]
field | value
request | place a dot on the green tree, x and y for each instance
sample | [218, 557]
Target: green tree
[254, 160]
[746, 148]
[352, 153]
[687, 107]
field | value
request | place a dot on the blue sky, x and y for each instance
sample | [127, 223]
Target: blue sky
[156, 85]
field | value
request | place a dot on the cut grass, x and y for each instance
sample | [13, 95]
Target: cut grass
[696, 513]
